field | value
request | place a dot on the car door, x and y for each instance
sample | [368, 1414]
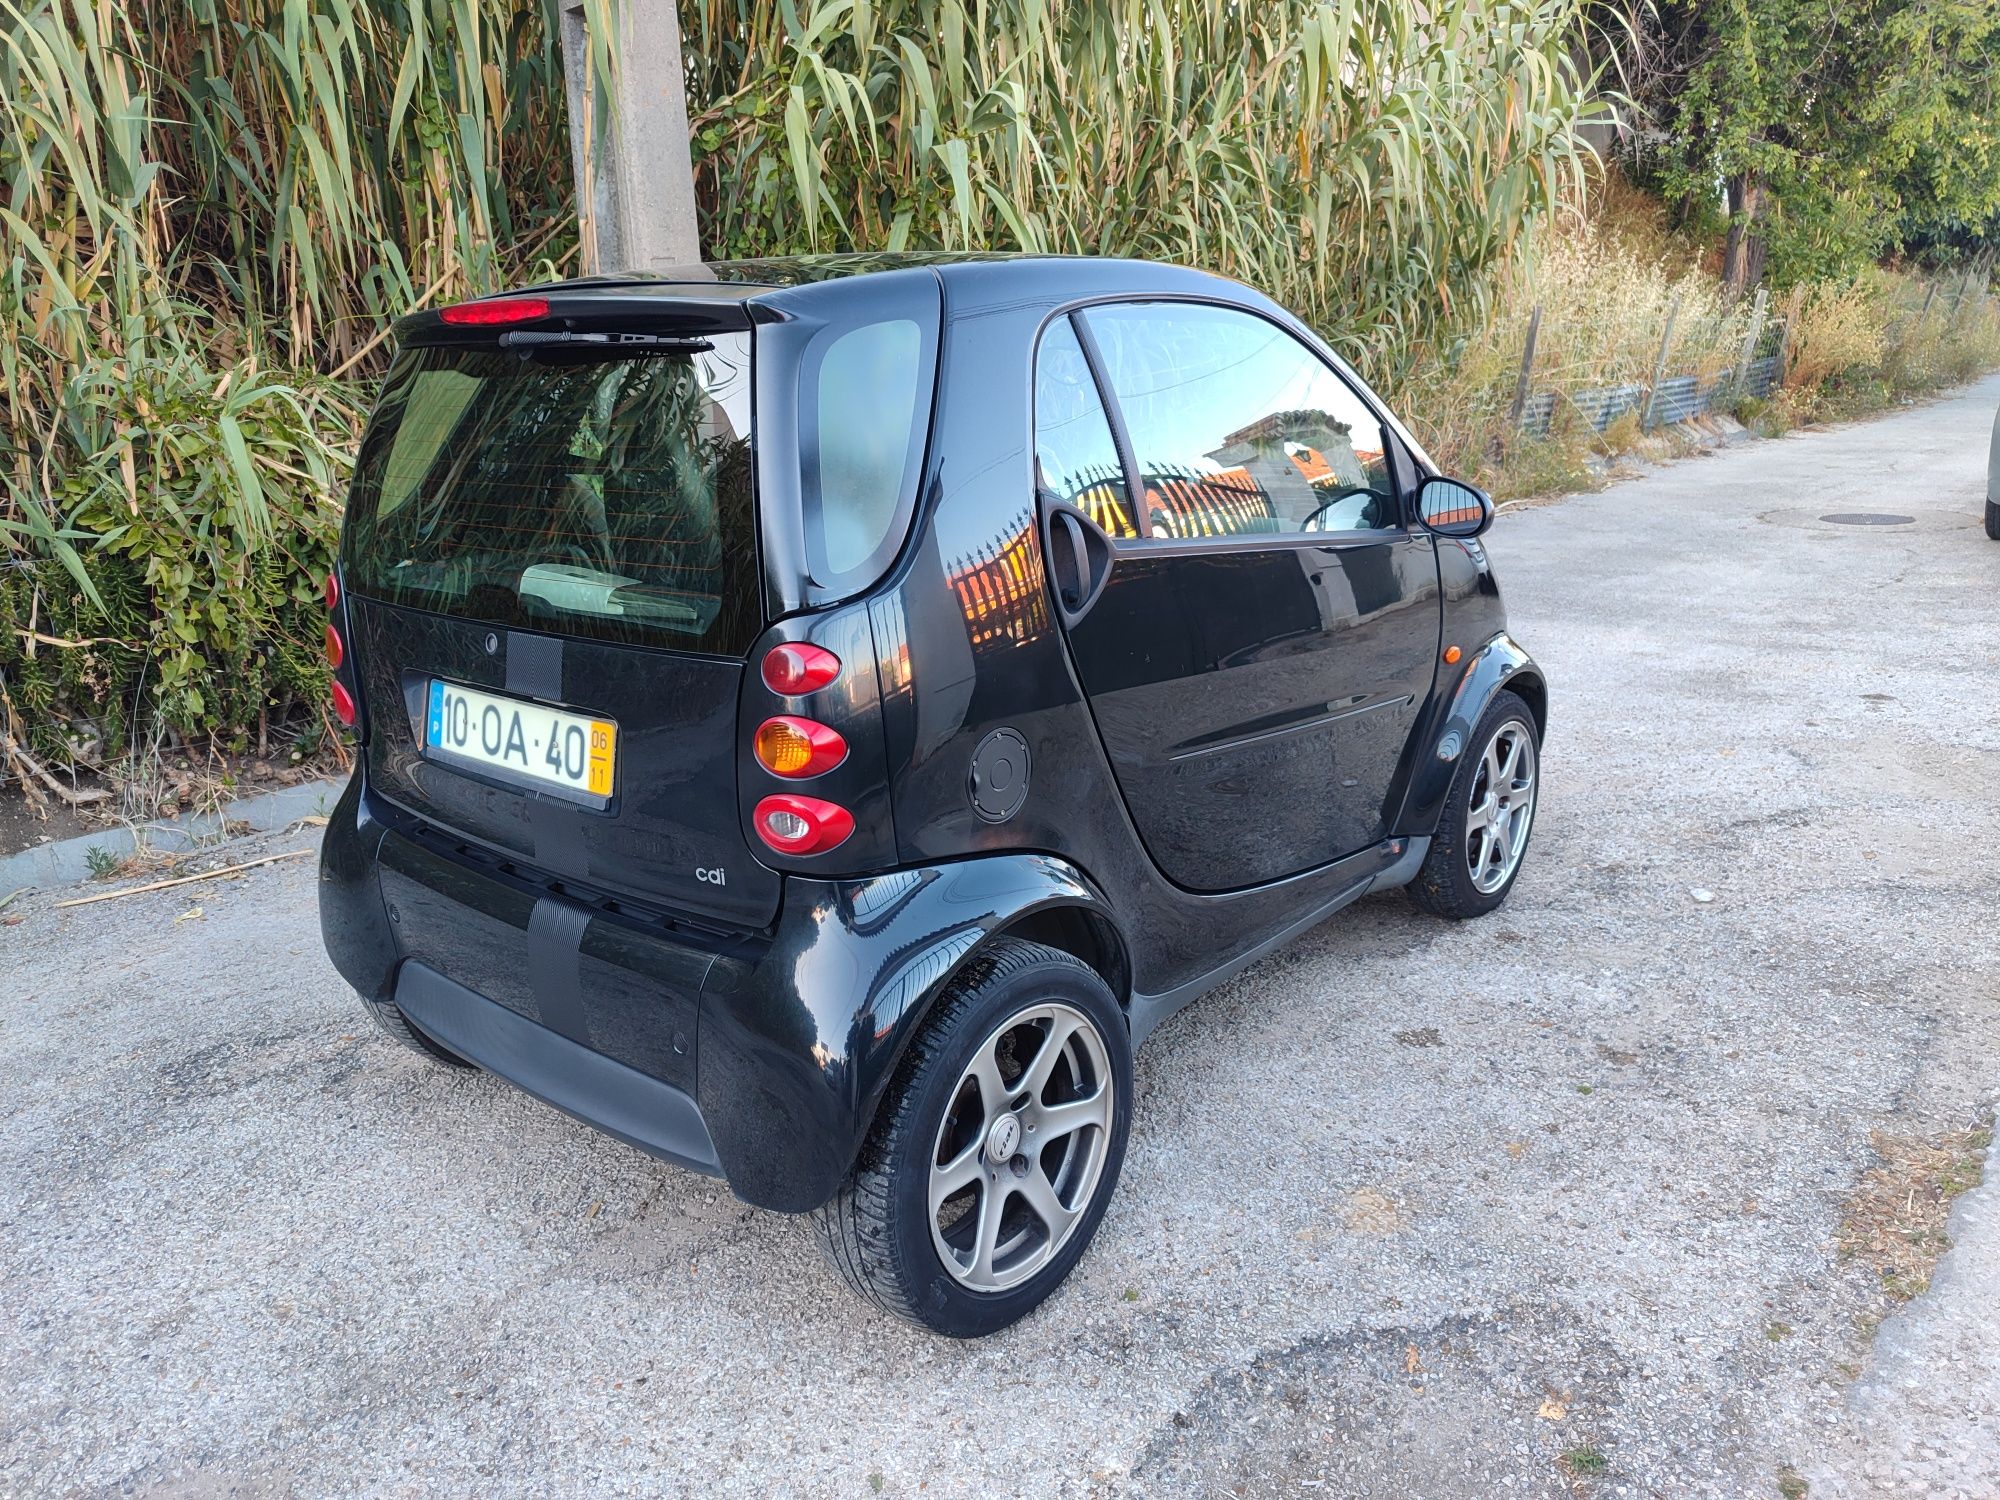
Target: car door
[1251, 617]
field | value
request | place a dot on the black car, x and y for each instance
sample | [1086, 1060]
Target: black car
[819, 716]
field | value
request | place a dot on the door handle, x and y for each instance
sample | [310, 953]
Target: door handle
[1076, 592]
[1090, 555]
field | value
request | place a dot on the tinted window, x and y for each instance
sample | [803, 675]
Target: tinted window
[1238, 428]
[602, 497]
[866, 421]
[1076, 460]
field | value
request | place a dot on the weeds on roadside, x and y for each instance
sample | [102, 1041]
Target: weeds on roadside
[1585, 1461]
[1894, 1221]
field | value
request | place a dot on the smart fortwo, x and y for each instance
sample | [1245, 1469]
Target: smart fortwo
[818, 716]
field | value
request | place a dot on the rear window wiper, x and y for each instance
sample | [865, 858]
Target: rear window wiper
[528, 341]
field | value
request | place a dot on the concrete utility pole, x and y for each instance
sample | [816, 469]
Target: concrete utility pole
[630, 151]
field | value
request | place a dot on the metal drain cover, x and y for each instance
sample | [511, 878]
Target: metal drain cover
[1868, 518]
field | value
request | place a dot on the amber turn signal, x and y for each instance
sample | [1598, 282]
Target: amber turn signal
[1451, 655]
[794, 747]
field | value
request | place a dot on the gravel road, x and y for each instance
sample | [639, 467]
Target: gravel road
[1410, 1208]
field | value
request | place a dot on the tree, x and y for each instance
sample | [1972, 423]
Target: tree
[1830, 130]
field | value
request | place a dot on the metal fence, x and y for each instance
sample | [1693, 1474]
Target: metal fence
[1758, 367]
[1675, 399]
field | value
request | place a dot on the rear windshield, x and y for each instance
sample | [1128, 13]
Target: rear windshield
[585, 496]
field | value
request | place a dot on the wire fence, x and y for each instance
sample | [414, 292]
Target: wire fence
[1667, 397]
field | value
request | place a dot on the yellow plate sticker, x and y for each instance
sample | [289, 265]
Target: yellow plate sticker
[603, 756]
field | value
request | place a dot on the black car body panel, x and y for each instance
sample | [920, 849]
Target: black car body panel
[1196, 783]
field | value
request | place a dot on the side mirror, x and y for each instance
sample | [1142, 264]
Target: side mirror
[1451, 507]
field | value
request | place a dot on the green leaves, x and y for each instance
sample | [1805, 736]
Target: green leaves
[192, 195]
[1841, 129]
[1370, 167]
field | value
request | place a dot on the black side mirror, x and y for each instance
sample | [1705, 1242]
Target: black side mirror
[1451, 507]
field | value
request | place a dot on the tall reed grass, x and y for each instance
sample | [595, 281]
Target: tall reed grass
[1369, 162]
[212, 208]
[209, 210]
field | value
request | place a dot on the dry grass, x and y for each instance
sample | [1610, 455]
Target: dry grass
[1894, 1222]
[1835, 329]
[1607, 280]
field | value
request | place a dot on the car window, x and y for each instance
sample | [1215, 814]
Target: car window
[1076, 458]
[1239, 429]
[867, 416]
[608, 497]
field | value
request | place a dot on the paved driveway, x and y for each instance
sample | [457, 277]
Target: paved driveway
[1409, 1209]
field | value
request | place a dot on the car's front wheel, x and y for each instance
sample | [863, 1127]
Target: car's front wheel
[996, 1150]
[1483, 833]
[1993, 519]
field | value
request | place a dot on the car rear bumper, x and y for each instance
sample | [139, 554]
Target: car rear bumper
[619, 1100]
[760, 1057]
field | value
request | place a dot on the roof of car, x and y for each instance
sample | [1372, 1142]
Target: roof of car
[731, 279]
[722, 292]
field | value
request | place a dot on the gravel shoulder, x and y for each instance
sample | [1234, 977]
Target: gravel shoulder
[1410, 1208]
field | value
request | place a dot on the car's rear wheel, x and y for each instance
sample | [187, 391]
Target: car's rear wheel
[1993, 519]
[1483, 834]
[989, 1166]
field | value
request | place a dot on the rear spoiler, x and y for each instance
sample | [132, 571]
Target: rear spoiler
[674, 310]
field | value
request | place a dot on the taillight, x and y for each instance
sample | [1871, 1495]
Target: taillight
[792, 824]
[787, 746]
[796, 667]
[336, 653]
[496, 310]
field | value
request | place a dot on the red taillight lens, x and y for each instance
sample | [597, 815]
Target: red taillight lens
[335, 651]
[801, 825]
[343, 705]
[787, 746]
[332, 590]
[496, 310]
[795, 668]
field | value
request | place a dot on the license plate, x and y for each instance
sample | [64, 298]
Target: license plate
[569, 754]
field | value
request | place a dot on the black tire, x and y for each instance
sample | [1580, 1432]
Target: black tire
[877, 1231]
[398, 1026]
[1444, 885]
[1993, 519]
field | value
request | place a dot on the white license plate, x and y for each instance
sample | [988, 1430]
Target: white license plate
[551, 748]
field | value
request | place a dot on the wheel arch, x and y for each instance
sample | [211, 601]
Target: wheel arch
[1500, 663]
[1084, 932]
[816, 1029]
[1527, 685]
[1072, 918]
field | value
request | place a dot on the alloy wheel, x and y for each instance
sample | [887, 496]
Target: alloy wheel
[1502, 809]
[1021, 1147]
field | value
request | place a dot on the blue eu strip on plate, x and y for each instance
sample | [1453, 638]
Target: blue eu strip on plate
[434, 733]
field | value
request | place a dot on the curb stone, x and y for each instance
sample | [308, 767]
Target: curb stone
[67, 862]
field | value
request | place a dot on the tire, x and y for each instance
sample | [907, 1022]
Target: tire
[880, 1231]
[1447, 884]
[1993, 519]
[398, 1026]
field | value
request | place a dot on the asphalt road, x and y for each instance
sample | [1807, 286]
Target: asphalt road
[1410, 1209]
